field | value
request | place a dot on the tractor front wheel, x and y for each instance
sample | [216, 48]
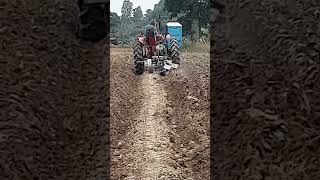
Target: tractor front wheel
[174, 51]
[138, 58]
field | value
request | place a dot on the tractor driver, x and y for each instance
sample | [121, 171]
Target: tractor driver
[150, 32]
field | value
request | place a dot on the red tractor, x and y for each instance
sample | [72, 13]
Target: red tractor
[152, 53]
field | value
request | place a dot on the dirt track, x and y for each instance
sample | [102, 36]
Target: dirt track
[159, 125]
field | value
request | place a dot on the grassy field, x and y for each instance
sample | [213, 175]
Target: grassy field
[189, 46]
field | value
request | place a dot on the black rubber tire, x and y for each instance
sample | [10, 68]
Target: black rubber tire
[163, 74]
[162, 70]
[138, 56]
[174, 51]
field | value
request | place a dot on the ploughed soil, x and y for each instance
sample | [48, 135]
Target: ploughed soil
[266, 82]
[53, 94]
[159, 125]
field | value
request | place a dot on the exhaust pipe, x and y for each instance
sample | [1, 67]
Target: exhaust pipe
[159, 24]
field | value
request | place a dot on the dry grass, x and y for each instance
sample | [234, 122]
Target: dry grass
[189, 46]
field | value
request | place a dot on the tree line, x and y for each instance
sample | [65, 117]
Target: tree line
[192, 14]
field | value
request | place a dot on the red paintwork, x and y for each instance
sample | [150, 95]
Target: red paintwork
[141, 39]
[150, 43]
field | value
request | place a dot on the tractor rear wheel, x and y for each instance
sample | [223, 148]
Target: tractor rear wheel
[175, 51]
[138, 58]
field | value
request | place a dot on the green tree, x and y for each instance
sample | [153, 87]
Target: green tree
[126, 9]
[137, 15]
[160, 13]
[193, 14]
[147, 16]
[148, 12]
[115, 22]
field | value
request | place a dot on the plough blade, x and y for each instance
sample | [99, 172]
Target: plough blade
[175, 66]
[168, 67]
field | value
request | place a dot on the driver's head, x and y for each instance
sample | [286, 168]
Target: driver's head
[153, 22]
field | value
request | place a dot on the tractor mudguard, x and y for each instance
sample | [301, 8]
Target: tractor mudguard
[141, 40]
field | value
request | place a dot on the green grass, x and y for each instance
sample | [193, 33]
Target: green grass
[198, 47]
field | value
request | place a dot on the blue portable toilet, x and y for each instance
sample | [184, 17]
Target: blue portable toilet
[175, 30]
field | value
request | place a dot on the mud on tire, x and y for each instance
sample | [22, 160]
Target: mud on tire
[175, 51]
[138, 56]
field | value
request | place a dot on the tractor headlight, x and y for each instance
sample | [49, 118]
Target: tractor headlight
[160, 47]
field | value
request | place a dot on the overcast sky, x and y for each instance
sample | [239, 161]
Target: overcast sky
[115, 5]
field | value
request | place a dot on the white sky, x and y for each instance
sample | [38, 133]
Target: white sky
[115, 5]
